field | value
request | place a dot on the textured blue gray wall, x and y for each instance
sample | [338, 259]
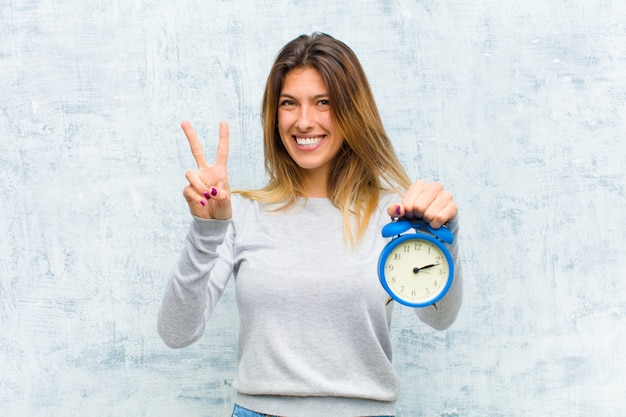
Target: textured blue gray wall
[518, 107]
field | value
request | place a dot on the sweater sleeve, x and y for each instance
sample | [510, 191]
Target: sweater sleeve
[447, 309]
[197, 282]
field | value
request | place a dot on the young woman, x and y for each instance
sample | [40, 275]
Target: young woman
[314, 320]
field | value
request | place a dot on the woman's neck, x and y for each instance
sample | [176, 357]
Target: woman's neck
[316, 184]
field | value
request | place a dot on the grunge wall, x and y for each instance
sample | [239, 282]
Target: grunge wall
[519, 108]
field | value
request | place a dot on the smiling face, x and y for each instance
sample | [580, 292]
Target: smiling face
[305, 124]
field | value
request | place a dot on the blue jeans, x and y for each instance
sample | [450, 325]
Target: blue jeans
[244, 412]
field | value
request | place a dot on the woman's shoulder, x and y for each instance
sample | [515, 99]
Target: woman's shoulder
[239, 200]
[241, 203]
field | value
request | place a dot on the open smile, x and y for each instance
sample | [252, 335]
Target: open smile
[308, 142]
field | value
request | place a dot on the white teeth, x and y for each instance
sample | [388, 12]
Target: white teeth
[308, 141]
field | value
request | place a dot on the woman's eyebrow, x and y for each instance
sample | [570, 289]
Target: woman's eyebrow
[316, 96]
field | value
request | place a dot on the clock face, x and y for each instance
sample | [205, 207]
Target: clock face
[415, 270]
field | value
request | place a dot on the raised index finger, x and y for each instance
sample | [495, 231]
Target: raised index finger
[194, 144]
[222, 148]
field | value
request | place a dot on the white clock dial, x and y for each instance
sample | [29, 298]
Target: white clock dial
[416, 270]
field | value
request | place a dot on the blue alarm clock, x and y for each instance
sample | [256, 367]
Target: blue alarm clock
[416, 268]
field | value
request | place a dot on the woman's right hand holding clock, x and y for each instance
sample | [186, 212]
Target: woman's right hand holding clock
[208, 192]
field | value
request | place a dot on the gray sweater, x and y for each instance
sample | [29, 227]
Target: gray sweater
[314, 325]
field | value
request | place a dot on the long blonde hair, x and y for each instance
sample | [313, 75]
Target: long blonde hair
[366, 163]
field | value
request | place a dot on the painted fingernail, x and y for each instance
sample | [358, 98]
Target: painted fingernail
[398, 211]
[207, 195]
[213, 191]
[203, 203]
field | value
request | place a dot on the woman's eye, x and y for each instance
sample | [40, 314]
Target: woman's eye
[286, 103]
[324, 102]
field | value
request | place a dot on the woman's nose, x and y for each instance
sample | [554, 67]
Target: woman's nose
[305, 120]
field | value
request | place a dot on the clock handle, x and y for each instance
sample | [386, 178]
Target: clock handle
[399, 226]
[442, 233]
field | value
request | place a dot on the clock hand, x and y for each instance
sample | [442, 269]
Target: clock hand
[416, 269]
